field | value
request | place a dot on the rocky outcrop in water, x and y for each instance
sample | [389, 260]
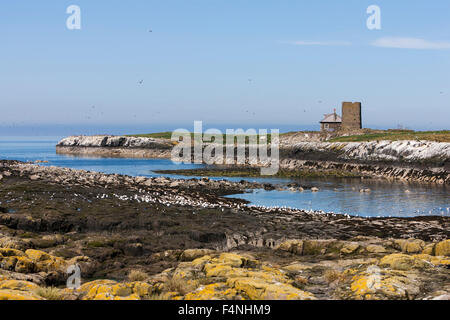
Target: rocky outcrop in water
[405, 152]
[422, 161]
[115, 146]
[413, 152]
[114, 142]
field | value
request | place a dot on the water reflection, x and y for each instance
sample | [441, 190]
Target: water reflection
[394, 199]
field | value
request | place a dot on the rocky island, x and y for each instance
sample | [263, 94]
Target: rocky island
[406, 160]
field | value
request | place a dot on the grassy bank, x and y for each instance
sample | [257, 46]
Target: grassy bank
[369, 135]
[395, 135]
[156, 135]
[206, 137]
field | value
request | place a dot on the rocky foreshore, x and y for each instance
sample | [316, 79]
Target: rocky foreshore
[418, 161]
[160, 238]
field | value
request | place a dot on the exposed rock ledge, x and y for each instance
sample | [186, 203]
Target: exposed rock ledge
[112, 152]
[114, 142]
[115, 146]
[406, 151]
[423, 161]
[415, 152]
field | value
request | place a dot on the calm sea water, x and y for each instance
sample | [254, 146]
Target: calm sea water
[335, 195]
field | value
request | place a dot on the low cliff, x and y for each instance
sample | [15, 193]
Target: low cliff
[114, 142]
[410, 152]
[115, 146]
[421, 161]
[405, 151]
[424, 161]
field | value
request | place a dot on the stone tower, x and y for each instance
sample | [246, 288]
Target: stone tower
[351, 115]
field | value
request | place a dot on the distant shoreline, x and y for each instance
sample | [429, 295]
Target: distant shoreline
[406, 160]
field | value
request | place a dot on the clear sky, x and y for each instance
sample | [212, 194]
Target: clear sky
[253, 63]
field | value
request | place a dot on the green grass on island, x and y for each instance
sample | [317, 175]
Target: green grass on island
[395, 135]
[156, 135]
[207, 137]
[365, 135]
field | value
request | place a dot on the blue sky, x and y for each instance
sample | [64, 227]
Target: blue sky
[227, 62]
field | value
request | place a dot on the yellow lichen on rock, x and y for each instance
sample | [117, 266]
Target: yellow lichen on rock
[359, 286]
[442, 248]
[374, 248]
[231, 259]
[435, 260]
[349, 248]
[45, 262]
[24, 265]
[122, 289]
[293, 246]
[411, 245]
[258, 289]
[35, 261]
[226, 265]
[142, 289]
[200, 262]
[296, 267]
[429, 249]
[112, 290]
[236, 260]
[8, 252]
[130, 297]
[37, 255]
[192, 254]
[219, 270]
[18, 285]
[86, 287]
[8, 263]
[18, 290]
[375, 283]
[182, 274]
[223, 270]
[215, 291]
[401, 261]
[7, 294]
[239, 275]
[96, 289]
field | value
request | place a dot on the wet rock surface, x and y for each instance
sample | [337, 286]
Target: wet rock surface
[195, 244]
